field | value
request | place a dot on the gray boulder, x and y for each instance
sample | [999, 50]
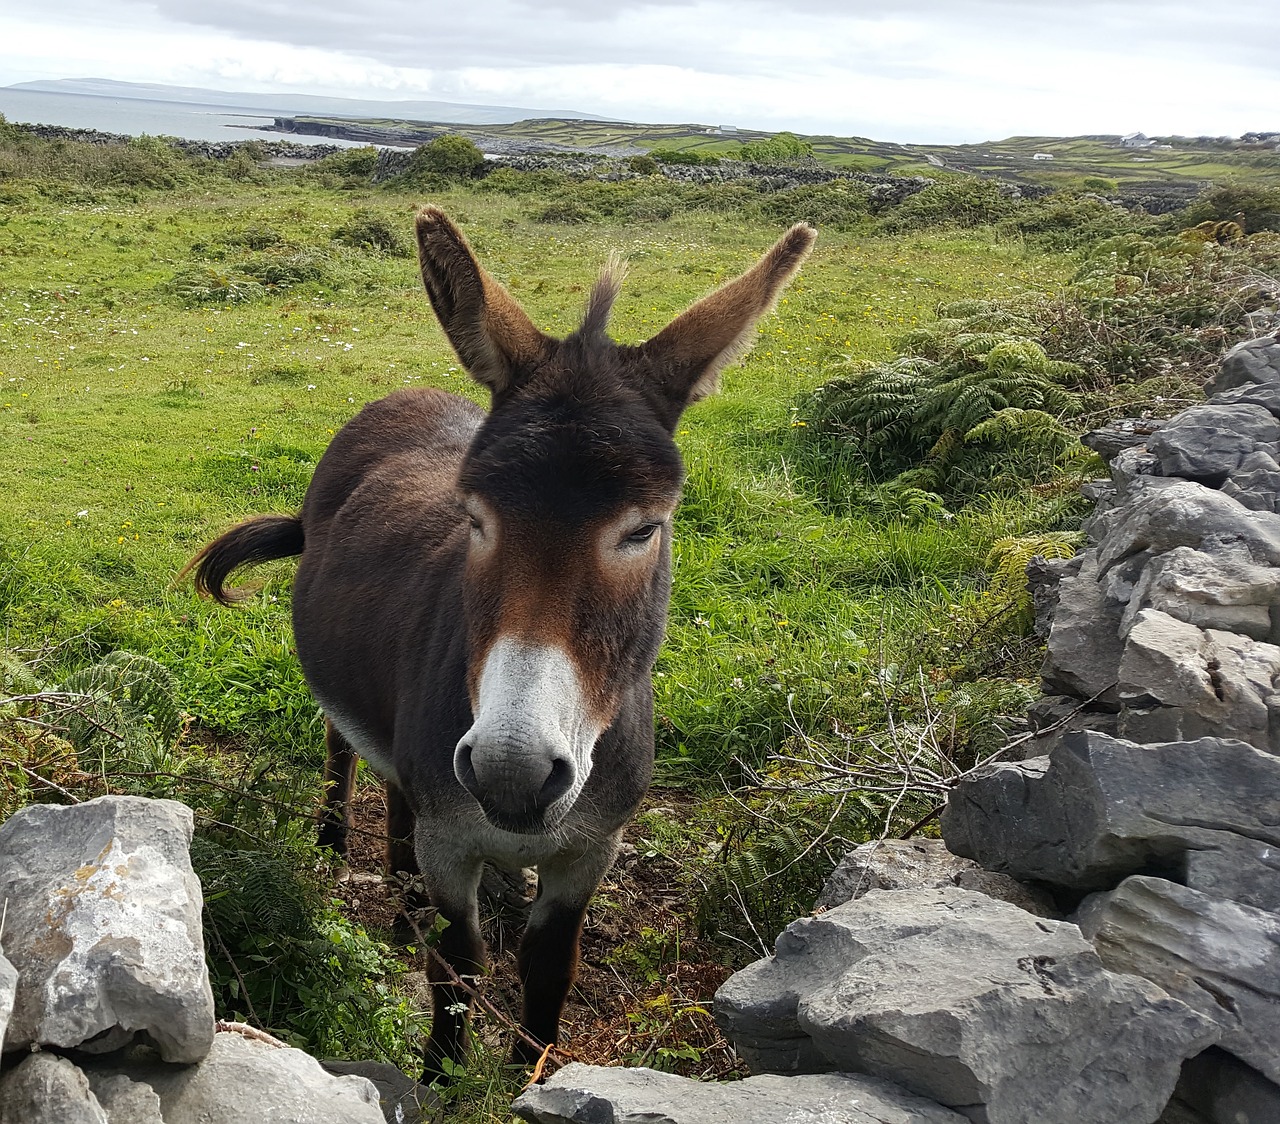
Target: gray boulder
[1255, 362]
[922, 864]
[126, 1101]
[1208, 443]
[1226, 591]
[1098, 809]
[1227, 681]
[1221, 958]
[1082, 657]
[240, 1079]
[103, 926]
[1187, 514]
[587, 1094]
[1255, 482]
[46, 1089]
[1110, 440]
[1251, 394]
[1006, 1017]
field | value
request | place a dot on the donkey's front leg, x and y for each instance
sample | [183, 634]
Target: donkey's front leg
[453, 892]
[549, 951]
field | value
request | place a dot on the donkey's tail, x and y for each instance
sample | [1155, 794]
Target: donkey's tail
[257, 540]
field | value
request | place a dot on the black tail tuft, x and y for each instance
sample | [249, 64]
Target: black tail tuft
[258, 540]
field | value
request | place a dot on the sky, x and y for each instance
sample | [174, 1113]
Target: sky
[945, 71]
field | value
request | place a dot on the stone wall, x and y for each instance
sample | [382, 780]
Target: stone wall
[106, 1013]
[1096, 938]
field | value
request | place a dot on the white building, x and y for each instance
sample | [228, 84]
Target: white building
[1042, 156]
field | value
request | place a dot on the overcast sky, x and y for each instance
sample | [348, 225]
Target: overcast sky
[914, 70]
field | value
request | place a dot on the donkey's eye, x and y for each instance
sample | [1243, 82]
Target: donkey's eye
[641, 534]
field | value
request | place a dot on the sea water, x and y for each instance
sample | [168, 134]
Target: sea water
[136, 116]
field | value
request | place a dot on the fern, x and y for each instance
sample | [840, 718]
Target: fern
[128, 699]
[1009, 557]
[16, 678]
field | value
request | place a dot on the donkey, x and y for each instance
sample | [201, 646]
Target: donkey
[481, 597]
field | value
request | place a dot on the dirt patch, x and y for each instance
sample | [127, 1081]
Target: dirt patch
[646, 978]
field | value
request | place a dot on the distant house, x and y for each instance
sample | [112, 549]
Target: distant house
[1136, 140]
[1042, 156]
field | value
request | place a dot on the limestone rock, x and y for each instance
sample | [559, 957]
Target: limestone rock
[1006, 1017]
[1251, 394]
[46, 1089]
[8, 988]
[1207, 443]
[1224, 591]
[1110, 440]
[1082, 657]
[1221, 958]
[586, 1094]
[103, 926]
[1255, 362]
[1226, 680]
[402, 1099]
[240, 1080]
[1098, 809]
[1255, 482]
[922, 864]
[1188, 514]
[127, 1101]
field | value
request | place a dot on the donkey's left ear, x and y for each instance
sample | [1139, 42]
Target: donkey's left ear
[697, 345]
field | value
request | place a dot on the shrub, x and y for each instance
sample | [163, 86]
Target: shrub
[204, 284]
[451, 155]
[1063, 221]
[369, 230]
[643, 165]
[782, 148]
[1257, 206]
[350, 163]
[842, 204]
[966, 202]
[682, 156]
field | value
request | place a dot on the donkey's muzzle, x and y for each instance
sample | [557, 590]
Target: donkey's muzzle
[518, 790]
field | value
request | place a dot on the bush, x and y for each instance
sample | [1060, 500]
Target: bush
[782, 148]
[1254, 206]
[452, 156]
[682, 156]
[643, 165]
[964, 202]
[841, 204]
[1063, 221]
[368, 230]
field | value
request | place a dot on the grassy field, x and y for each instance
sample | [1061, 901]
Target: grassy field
[175, 357]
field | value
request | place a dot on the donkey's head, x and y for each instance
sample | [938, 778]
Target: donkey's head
[569, 487]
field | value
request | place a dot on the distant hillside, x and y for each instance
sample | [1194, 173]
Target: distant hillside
[442, 111]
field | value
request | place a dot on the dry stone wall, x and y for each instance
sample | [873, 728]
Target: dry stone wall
[1096, 938]
[106, 1013]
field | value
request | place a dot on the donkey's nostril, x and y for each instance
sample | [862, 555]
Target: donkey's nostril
[557, 783]
[464, 770]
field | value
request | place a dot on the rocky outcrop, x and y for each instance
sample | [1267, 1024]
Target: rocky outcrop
[583, 1094]
[102, 924]
[977, 1004]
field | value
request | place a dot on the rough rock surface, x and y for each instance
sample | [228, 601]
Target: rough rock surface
[240, 1080]
[1223, 683]
[1006, 1017]
[47, 1089]
[1208, 443]
[922, 864]
[584, 1094]
[402, 1099]
[1221, 958]
[1255, 362]
[1082, 658]
[8, 989]
[103, 925]
[1098, 809]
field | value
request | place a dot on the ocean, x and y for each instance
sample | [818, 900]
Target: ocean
[135, 116]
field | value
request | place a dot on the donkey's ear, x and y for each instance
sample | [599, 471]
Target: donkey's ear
[495, 341]
[698, 344]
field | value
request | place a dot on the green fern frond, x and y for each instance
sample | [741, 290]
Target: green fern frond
[123, 690]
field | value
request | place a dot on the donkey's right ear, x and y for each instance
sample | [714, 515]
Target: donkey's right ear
[493, 338]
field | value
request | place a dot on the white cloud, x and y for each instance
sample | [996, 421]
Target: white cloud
[911, 71]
